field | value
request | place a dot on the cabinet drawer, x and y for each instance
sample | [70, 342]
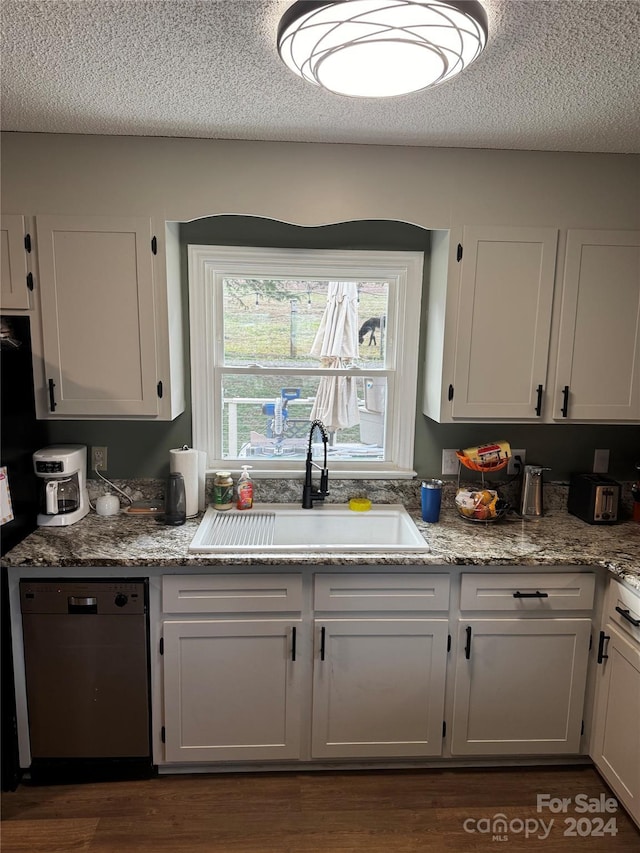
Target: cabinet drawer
[534, 592]
[623, 609]
[404, 591]
[277, 593]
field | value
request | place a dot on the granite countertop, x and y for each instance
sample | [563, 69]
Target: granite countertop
[556, 539]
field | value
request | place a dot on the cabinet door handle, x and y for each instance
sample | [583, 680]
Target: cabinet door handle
[539, 402]
[536, 594]
[467, 648]
[52, 396]
[603, 639]
[565, 401]
[293, 643]
[322, 642]
[626, 615]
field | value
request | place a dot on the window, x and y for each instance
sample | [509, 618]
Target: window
[280, 337]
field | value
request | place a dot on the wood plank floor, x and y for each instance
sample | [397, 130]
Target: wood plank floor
[322, 812]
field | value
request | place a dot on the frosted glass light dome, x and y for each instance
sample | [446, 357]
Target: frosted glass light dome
[381, 48]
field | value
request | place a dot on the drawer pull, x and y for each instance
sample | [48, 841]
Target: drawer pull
[467, 648]
[603, 639]
[536, 594]
[293, 643]
[626, 615]
[322, 642]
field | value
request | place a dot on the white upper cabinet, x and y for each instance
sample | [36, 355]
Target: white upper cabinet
[504, 322]
[14, 272]
[495, 349]
[489, 323]
[105, 319]
[598, 368]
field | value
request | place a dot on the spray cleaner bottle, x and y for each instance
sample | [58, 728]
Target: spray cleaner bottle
[245, 489]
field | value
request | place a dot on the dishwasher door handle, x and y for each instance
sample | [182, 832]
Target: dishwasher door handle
[77, 604]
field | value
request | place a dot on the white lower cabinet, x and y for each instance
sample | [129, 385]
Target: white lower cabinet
[232, 690]
[616, 739]
[378, 687]
[519, 687]
[520, 679]
[232, 674]
[379, 664]
[362, 665]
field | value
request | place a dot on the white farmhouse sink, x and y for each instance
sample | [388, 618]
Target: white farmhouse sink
[279, 528]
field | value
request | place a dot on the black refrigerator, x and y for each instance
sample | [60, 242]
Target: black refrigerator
[21, 434]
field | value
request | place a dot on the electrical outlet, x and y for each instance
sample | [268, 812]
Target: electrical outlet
[600, 461]
[98, 458]
[450, 462]
[513, 462]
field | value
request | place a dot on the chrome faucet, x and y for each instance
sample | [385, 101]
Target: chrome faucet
[309, 494]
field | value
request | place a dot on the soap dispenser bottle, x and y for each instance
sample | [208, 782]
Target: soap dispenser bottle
[245, 489]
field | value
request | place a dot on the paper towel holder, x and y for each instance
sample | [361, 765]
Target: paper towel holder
[186, 461]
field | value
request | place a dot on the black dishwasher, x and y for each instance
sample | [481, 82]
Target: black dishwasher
[86, 648]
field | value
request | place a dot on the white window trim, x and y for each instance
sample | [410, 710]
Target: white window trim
[402, 269]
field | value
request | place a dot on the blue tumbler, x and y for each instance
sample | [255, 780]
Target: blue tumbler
[431, 494]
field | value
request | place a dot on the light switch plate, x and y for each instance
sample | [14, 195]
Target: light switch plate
[600, 461]
[450, 463]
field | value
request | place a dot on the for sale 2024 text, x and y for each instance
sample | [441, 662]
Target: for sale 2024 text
[591, 818]
[582, 804]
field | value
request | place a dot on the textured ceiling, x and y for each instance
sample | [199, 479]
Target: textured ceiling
[556, 75]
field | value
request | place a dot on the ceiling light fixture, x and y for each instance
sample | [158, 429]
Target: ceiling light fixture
[381, 48]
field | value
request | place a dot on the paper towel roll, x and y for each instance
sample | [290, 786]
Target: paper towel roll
[186, 461]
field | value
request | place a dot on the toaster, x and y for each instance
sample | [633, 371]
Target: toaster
[594, 498]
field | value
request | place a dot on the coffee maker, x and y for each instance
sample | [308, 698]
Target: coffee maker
[64, 498]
